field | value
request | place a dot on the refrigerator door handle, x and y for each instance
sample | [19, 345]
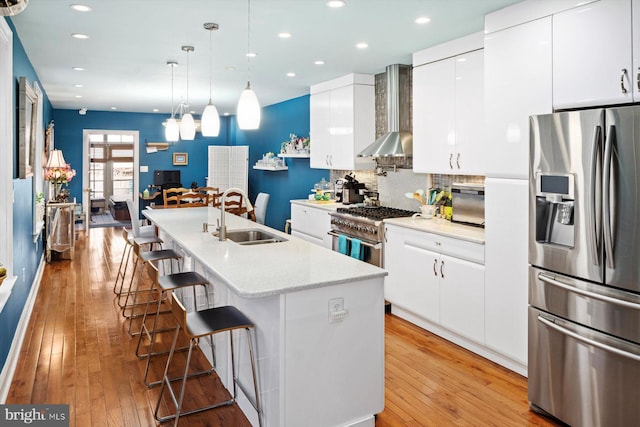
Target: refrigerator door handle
[606, 193]
[596, 157]
[589, 341]
[554, 282]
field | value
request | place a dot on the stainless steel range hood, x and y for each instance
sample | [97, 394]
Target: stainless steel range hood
[394, 143]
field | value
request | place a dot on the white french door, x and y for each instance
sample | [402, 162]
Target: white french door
[110, 166]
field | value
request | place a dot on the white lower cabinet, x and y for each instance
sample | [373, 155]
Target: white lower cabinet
[437, 279]
[311, 224]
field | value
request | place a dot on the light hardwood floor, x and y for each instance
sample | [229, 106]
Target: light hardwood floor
[77, 351]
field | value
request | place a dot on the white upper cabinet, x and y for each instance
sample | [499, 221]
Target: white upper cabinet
[342, 122]
[518, 83]
[448, 109]
[592, 55]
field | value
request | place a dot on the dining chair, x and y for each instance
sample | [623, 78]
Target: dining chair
[260, 207]
[192, 200]
[233, 203]
[170, 195]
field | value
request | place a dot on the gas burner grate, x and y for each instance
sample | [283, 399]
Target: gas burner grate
[376, 213]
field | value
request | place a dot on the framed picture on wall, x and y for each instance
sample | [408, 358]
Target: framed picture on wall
[180, 159]
[27, 114]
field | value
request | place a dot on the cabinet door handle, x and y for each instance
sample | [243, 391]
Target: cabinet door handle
[624, 73]
[435, 265]
[450, 161]
[442, 269]
[458, 160]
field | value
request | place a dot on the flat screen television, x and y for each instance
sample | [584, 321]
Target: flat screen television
[163, 177]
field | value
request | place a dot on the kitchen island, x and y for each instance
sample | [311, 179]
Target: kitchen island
[319, 319]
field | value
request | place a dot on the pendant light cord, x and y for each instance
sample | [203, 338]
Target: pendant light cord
[172, 112]
[210, 63]
[248, 43]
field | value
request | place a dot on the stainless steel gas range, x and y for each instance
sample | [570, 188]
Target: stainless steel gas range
[364, 224]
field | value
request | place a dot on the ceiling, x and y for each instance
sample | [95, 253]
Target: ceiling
[130, 42]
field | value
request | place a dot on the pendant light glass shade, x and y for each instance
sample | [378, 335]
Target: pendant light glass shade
[187, 127]
[248, 112]
[210, 121]
[187, 124]
[172, 130]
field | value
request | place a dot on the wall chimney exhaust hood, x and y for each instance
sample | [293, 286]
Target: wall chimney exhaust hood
[394, 143]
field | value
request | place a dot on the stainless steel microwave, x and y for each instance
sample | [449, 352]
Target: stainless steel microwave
[468, 203]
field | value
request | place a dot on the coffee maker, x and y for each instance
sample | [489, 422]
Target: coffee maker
[352, 190]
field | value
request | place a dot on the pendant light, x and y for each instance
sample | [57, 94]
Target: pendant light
[187, 125]
[172, 130]
[248, 112]
[210, 121]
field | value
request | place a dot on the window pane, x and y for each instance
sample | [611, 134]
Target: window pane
[114, 138]
[122, 153]
[96, 137]
[127, 138]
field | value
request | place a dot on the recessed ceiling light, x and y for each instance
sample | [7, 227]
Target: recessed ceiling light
[284, 35]
[79, 36]
[362, 45]
[155, 110]
[230, 68]
[291, 74]
[226, 113]
[319, 62]
[78, 69]
[78, 96]
[251, 54]
[336, 3]
[423, 20]
[80, 8]
[114, 108]
[78, 85]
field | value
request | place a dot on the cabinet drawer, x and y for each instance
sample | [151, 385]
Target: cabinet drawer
[311, 221]
[451, 246]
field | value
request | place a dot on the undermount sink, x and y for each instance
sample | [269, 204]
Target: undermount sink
[252, 236]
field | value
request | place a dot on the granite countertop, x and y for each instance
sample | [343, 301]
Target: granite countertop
[442, 227]
[258, 270]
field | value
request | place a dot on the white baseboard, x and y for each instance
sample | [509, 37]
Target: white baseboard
[6, 376]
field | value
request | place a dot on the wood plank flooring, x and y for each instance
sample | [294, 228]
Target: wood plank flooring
[77, 351]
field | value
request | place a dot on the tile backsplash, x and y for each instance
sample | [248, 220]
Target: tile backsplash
[395, 185]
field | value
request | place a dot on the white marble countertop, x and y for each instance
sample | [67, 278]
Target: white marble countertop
[258, 270]
[442, 227]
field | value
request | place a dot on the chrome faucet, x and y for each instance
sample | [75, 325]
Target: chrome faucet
[222, 228]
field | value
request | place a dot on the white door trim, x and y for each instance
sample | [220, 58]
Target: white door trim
[86, 201]
[6, 145]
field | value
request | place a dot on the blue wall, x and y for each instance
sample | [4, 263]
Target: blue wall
[69, 125]
[27, 252]
[278, 121]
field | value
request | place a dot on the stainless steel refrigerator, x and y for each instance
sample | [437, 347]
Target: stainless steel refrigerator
[584, 273]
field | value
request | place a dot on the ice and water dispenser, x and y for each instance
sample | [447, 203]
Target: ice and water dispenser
[555, 203]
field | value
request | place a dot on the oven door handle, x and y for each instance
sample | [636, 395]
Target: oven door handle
[588, 341]
[363, 242]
